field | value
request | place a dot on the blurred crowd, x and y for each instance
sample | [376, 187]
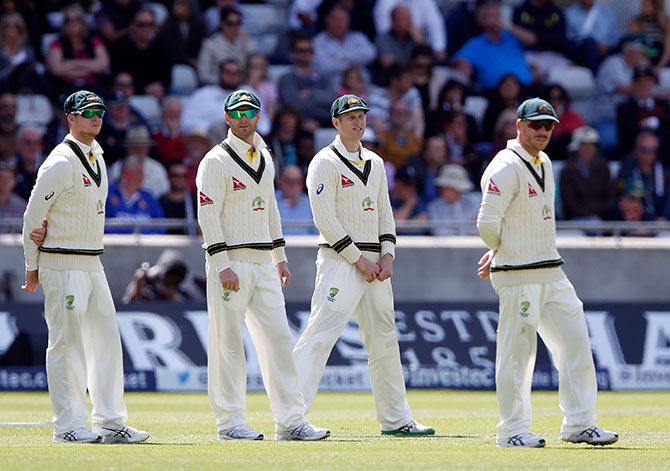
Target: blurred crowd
[443, 79]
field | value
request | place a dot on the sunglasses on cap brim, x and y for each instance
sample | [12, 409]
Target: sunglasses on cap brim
[548, 124]
[90, 113]
[237, 114]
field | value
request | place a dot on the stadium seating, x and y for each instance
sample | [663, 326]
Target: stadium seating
[580, 85]
[33, 110]
[476, 106]
[264, 23]
[184, 79]
[149, 107]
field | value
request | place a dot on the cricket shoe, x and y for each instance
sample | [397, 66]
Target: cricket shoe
[412, 429]
[81, 435]
[592, 436]
[525, 440]
[240, 432]
[304, 431]
[123, 434]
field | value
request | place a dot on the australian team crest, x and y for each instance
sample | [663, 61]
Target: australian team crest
[525, 305]
[69, 302]
[353, 101]
[546, 213]
[226, 294]
[332, 292]
[258, 204]
[368, 204]
[544, 109]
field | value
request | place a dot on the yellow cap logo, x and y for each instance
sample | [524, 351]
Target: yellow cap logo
[91, 98]
[353, 101]
[544, 109]
[244, 97]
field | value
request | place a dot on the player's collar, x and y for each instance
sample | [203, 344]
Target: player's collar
[514, 145]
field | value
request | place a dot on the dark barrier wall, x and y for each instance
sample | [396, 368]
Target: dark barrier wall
[443, 345]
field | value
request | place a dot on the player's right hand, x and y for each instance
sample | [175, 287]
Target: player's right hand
[38, 235]
[229, 280]
[32, 280]
[368, 268]
[484, 270]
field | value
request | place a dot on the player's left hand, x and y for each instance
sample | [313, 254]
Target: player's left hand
[38, 235]
[284, 274]
[385, 265]
[484, 270]
[32, 280]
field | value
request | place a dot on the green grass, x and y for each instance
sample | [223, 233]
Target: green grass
[183, 432]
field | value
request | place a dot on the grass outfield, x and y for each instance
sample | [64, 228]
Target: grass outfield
[183, 435]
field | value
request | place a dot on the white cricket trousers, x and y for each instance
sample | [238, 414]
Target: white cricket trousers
[341, 292]
[259, 303]
[84, 349]
[555, 312]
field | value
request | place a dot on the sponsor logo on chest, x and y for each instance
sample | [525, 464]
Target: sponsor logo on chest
[346, 181]
[87, 181]
[238, 185]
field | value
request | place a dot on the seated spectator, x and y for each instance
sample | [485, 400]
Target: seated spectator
[229, 43]
[400, 88]
[425, 81]
[198, 142]
[435, 155]
[592, 20]
[283, 140]
[204, 107]
[570, 120]
[77, 59]
[128, 202]
[183, 33]
[293, 201]
[426, 21]
[462, 24]
[398, 143]
[450, 99]
[507, 94]
[338, 48]
[643, 165]
[653, 26]
[360, 15]
[585, 183]
[406, 202]
[353, 83]
[28, 159]
[114, 17]
[169, 139]
[614, 84]
[138, 144]
[117, 121]
[124, 83]
[8, 126]
[18, 73]
[452, 205]
[306, 150]
[11, 204]
[494, 53]
[461, 148]
[642, 110]
[212, 15]
[395, 45]
[259, 82]
[178, 202]
[143, 56]
[504, 130]
[630, 207]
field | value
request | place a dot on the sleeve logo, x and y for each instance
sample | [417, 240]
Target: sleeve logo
[238, 185]
[493, 188]
[319, 189]
[48, 197]
[204, 199]
[346, 181]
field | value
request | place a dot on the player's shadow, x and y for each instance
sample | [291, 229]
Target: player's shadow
[603, 448]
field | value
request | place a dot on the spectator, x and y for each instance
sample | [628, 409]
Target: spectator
[504, 130]
[592, 20]
[630, 207]
[124, 83]
[585, 183]
[114, 17]
[304, 87]
[643, 166]
[293, 202]
[204, 107]
[338, 48]
[28, 159]
[435, 155]
[303, 15]
[642, 110]
[198, 142]
[462, 24]
[169, 139]
[154, 177]
[653, 26]
[231, 42]
[118, 120]
[570, 120]
[406, 202]
[461, 148]
[452, 205]
[494, 53]
[128, 202]
[11, 204]
[360, 15]
[614, 83]
[398, 143]
[17, 59]
[507, 94]
[425, 81]
[213, 14]
[450, 99]
[395, 45]
[178, 202]
[259, 82]
[183, 33]
[77, 59]
[8, 126]
[400, 88]
[353, 83]
[141, 54]
[283, 140]
[427, 21]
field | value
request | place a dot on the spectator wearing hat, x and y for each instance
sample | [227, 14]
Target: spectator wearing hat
[138, 144]
[169, 138]
[453, 205]
[642, 110]
[292, 200]
[398, 143]
[406, 202]
[585, 182]
[11, 204]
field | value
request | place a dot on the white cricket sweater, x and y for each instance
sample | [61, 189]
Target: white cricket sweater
[238, 212]
[350, 203]
[516, 218]
[71, 192]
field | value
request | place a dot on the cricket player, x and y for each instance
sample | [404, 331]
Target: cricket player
[84, 348]
[246, 270]
[349, 196]
[516, 221]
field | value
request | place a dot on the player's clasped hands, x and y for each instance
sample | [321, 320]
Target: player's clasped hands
[229, 280]
[375, 271]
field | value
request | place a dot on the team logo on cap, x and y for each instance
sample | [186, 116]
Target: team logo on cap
[243, 96]
[544, 109]
[91, 98]
[353, 101]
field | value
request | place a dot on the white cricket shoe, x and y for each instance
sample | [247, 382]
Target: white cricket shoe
[81, 435]
[240, 432]
[592, 436]
[524, 439]
[412, 429]
[123, 434]
[305, 431]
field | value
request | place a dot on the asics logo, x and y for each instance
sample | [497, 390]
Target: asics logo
[118, 432]
[515, 440]
[591, 432]
[48, 197]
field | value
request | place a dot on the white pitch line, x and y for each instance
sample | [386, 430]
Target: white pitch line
[26, 424]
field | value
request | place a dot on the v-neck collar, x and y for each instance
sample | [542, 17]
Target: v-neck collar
[96, 174]
[257, 174]
[363, 176]
[539, 179]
